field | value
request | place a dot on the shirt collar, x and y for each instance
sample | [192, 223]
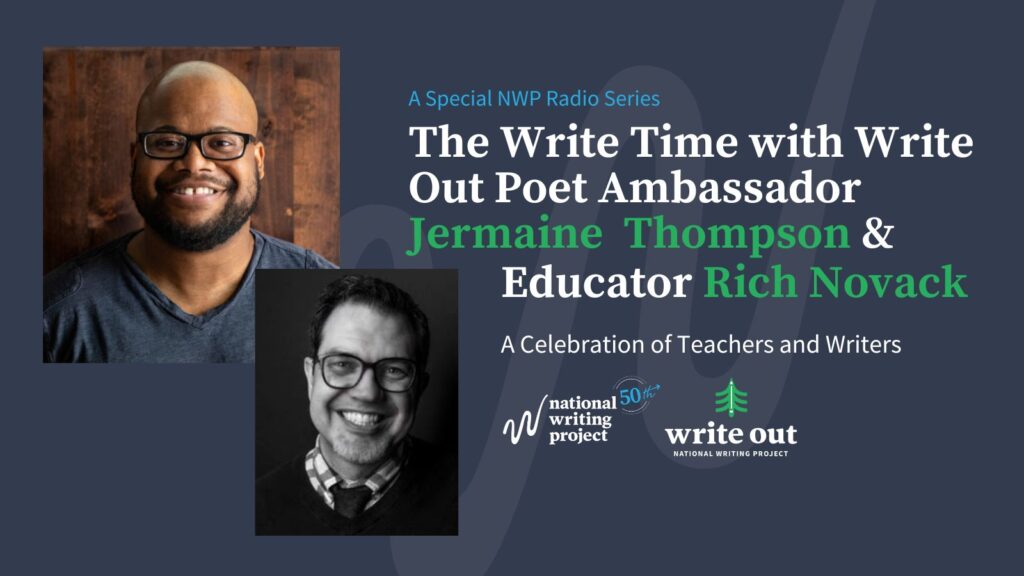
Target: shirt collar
[322, 477]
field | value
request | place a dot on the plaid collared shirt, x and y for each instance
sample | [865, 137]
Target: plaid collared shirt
[323, 478]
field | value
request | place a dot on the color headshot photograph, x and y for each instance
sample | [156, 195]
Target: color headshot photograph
[357, 402]
[170, 176]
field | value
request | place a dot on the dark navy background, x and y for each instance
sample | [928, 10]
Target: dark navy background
[905, 463]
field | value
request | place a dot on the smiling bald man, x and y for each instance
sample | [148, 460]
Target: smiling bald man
[182, 288]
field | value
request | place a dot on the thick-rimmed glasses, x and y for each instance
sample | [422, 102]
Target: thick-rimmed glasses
[166, 145]
[341, 371]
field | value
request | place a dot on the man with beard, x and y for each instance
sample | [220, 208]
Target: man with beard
[364, 474]
[180, 289]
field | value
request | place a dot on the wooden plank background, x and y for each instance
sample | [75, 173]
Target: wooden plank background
[89, 99]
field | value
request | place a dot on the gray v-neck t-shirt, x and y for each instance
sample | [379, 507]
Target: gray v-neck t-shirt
[100, 307]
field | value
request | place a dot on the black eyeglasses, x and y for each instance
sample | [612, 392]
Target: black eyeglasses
[341, 371]
[164, 145]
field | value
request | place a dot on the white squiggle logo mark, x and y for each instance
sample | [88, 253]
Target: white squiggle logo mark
[527, 422]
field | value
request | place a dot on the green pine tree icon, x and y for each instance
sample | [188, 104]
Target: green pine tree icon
[732, 399]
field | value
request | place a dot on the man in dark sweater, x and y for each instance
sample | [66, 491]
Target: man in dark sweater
[364, 474]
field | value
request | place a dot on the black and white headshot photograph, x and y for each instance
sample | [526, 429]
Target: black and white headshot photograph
[357, 402]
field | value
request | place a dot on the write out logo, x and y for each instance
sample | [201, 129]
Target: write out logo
[731, 400]
[716, 440]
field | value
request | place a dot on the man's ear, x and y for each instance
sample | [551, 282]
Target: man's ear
[307, 367]
[260, 152]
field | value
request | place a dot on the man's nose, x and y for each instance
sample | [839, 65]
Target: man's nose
[193, 160]
[366, 388]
